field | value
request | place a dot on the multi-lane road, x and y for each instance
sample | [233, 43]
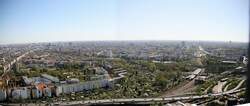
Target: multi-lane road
[148, 100]
[8, 67]
[204, 51]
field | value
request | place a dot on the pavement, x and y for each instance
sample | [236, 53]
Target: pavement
[143, 100]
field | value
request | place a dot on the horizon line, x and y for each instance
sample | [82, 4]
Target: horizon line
[119, 41]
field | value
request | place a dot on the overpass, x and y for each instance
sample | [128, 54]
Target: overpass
[147, 100]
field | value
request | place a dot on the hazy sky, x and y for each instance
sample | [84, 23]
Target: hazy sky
[24, 21]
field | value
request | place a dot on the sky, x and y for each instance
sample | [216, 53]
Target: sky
[29, 21]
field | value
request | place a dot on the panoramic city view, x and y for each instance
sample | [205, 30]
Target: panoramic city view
[123, 52]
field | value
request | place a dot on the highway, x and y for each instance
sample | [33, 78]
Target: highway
[201, 49]
[147, 100]
[238, 86]
[216, 94]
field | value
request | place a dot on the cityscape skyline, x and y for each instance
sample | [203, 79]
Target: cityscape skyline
[124, 52]
[119, 20]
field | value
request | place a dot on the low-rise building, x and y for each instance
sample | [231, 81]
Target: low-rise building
[47, 92]
[35, 93]
[73, 80]
[100, 70]
[3, 95]
[37, 80]
[49, 77]
[200, 80]
[26, 80]
[20, 93]
[89, 85]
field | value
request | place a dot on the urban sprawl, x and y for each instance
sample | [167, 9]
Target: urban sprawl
[83, 72]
